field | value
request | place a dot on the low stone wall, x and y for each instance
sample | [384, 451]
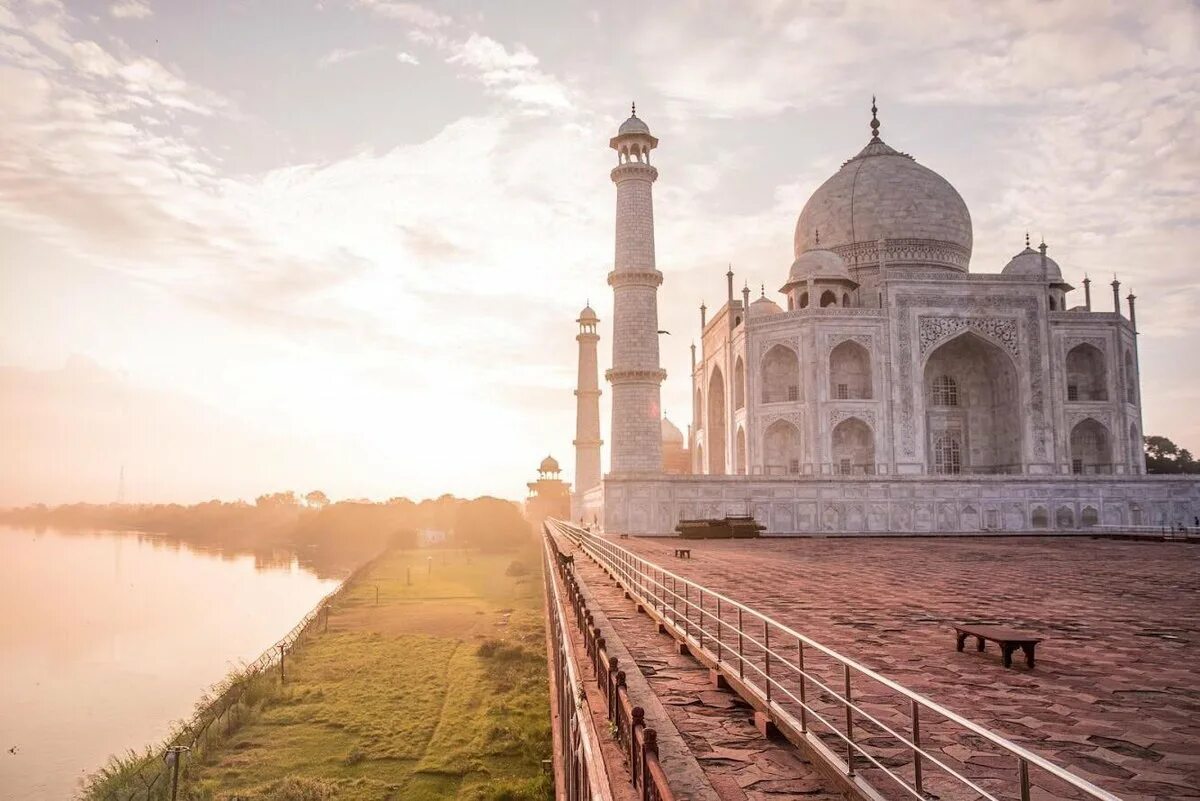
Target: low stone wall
[898, 505]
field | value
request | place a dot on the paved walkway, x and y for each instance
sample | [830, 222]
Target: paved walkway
[717, 726]
[1115, 695]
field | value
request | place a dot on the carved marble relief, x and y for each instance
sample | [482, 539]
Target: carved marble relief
[1029, 340]
[1001, 330]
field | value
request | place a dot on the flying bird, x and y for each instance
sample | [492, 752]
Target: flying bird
[668, 333]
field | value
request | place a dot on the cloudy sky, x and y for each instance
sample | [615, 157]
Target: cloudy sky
[341, 244]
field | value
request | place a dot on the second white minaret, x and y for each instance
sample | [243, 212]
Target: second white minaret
[587, 409]
[635, 375]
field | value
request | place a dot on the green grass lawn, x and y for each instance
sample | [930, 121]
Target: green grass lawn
[437, 692]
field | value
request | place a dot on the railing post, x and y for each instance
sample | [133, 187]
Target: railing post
[687, 612]
[719, 623]
[916, 734]
[849, 723]
[803, 686]
[767, 657]
[1023, 773]
[701, 619]
[741, 652]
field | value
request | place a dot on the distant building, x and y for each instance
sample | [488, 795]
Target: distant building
[890, 389]
[431, 536]
[676, 460]
[549, 496]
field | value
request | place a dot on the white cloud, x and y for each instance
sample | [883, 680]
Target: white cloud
[341, 54]
[407, 58]
[130, 9]
[411, 13]
[513, 74]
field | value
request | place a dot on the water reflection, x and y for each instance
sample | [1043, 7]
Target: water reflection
[108, 637]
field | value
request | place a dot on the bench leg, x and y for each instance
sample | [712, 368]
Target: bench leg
[979, 644]
[960, 638]
[1028, 649]
[1007, 651]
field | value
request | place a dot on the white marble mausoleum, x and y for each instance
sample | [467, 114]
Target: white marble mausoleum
[886, 388]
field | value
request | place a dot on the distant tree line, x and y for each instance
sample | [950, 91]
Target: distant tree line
[1164, 457]
[330, 536]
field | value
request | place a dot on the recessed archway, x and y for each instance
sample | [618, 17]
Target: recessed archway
[781, 448]
[1087, 379]
[1091, 448]
[1130, 379]
[849, 372]
[781, 375]
[853, 447]
[740, 452]
[828, 298]
[716, 423]
[972, 408]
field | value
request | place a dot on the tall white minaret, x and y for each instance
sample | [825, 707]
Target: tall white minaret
[635, 375]
[587, 409]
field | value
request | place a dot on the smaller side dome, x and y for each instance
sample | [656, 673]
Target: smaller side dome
[818, 264]
[633, 125]
[1028, 264]
[671, 433]
[588, 315]
[764, 306]
[549, 465]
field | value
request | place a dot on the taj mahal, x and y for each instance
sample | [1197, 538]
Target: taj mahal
[887, 388]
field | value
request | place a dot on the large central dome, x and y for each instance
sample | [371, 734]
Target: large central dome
[882, 194]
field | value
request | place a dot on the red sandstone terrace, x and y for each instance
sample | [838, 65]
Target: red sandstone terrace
[1115, 695]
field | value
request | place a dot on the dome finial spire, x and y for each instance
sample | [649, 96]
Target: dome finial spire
[874, 120]
[633, 109]
[1026, 239]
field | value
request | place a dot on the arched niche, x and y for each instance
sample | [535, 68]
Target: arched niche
[829, 298]
[1137, 449]
[780, 375]
[781, 448]
[972, 404]
[716, 423]
[1131, 384]
[698, 411]
[849, 372]
[739, 384]
[1086, 377]
[740, 452]
[852, 445]
[1091, 448]
[700, 458]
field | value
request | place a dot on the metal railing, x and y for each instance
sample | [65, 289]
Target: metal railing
[579, 772]
[637, 741]
[884, 739]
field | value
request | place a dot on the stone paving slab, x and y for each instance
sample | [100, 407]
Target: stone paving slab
[717, 726]
[1115, 694]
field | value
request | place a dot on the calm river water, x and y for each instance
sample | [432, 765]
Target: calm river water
[107, 638]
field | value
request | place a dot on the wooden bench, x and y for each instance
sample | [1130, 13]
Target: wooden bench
[683, 553]
[1008, 640]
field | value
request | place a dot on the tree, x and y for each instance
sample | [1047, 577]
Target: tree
[277, 500]
[316, 499]
[1165, 457]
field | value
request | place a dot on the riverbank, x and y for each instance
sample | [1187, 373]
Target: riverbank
[438, 690]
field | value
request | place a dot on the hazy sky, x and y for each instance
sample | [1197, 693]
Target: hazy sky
[341, 244]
